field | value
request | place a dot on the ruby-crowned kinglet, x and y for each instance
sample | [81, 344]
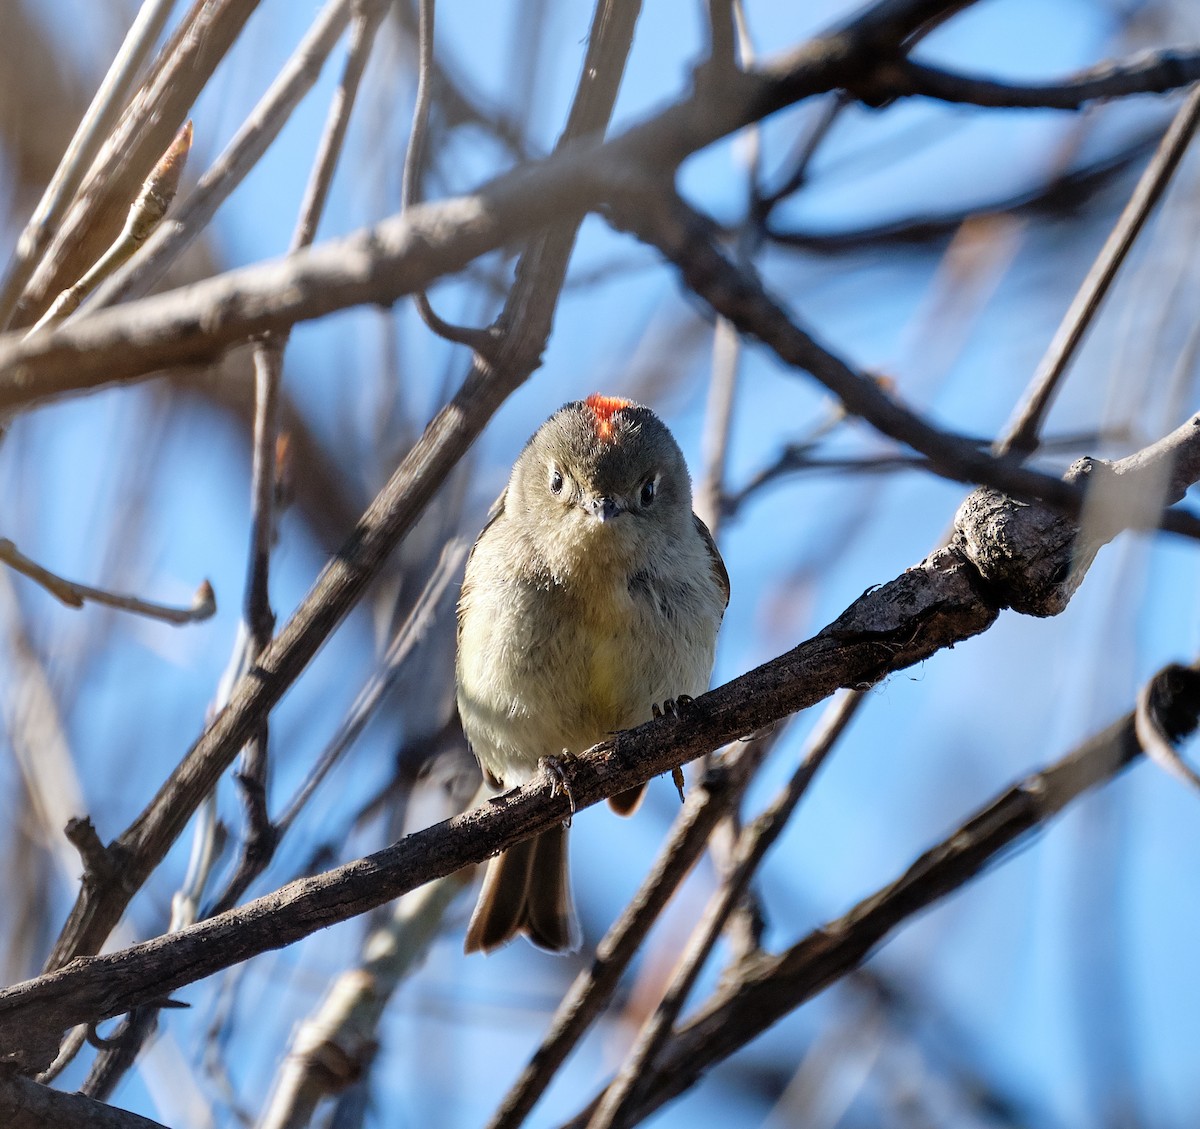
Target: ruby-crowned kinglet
[593, 595]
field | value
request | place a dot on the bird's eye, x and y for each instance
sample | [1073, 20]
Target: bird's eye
[649, 488]
[556, 481]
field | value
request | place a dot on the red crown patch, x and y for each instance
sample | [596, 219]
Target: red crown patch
[604, 408]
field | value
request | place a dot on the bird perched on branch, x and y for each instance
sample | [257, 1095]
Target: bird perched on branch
[592, 596]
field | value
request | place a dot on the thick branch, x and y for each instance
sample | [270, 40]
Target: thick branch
[892, 627]
[935, 605]
[24, 1104]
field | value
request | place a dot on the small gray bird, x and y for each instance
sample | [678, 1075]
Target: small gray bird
[592, 595]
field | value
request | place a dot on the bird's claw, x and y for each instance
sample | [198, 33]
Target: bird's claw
[672, 707]
[557, 772]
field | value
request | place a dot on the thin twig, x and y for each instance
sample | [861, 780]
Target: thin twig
[479, 339]
[75, 595]
[262, 836]
[337, 1043]
[718, 422]
[266, 120]
[806, 150]
[1155, 72]
[144, 131]
[722, 37]
[798, 458]
[99, 118]
[1156, 732]
[1022, 437]
[410, 634]
[145, 214]
[726, 370]
[459, 106]
[1062, 194]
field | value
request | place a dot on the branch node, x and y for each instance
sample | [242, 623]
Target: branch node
[98, 862]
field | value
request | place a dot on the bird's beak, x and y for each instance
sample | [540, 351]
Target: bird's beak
[602, 509]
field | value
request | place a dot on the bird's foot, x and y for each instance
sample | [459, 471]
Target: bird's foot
[557, 770]
[672, 707]
[676, 708]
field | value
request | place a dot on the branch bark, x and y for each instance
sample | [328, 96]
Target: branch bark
[25, 1104]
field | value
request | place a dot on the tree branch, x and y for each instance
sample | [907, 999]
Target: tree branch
[688, 240]
[934, 605]
[900, 623]
[25, 1104]
[524, 327]
[1154, 72]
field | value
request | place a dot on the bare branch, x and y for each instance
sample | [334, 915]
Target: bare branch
[749, 850]
[75, 595]
[716, 793]
[1150, 187]
[25, 1104]
[687, 239]
[1154, 72]
[889, 628]
[95, 126]
[527, 320]
[145, 214]
[1156, 721]
[242, 153]
[931, 606]
[479, 339]
[1061, 194]
[405, 254]
[145, 130]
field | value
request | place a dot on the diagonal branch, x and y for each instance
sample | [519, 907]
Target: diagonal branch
[891, 627]
[25, 1104]
[1155, 72]
[525, 326]
[687, 239]
[934, 605]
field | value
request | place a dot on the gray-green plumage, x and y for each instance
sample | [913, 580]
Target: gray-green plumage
[592, 594]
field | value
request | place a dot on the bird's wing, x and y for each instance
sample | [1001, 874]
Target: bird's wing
[720, 573]
[494, 514]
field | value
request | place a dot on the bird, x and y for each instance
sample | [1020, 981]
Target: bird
[591, 598]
